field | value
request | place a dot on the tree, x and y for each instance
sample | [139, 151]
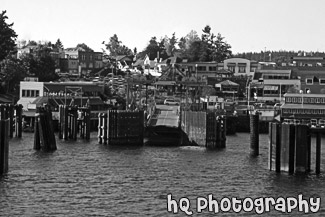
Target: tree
[209, 47]
[170, 44]
[41, 64]
[7, 37]
[58, 44]
[84, 47]
[115, 47]
[13, 71]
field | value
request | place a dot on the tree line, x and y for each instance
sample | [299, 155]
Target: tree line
[207, 47]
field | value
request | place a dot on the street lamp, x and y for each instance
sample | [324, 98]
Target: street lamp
[280, 93]
[302, 97]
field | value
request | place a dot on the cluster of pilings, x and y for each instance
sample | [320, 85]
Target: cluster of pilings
[14, 114]
[215, 131]
[44, 138]
[121, 127]
[74, 120]
[290, 147]
[10, 122]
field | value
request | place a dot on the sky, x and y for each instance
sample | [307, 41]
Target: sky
[247, 25]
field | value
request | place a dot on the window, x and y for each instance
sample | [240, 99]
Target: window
[317, 100]
[28, 93]
[37, 93]
[322, 81]
[23, 94]
[201, 68]
[309, 81]
[231, 69]
[242, 69]
[312, 100]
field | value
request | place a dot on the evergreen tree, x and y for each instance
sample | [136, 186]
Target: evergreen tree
[7, 37]
[58, 44]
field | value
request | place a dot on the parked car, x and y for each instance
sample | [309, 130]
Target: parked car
[171, 102]
[277, 105]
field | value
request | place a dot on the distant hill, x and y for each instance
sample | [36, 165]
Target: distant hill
[276, 56]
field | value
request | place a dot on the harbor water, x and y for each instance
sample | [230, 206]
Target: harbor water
[89, 179]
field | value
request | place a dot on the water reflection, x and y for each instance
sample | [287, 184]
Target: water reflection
[86, 178]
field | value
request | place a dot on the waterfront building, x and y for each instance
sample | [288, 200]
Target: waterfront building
[303, 106]
[228, 68]
[271, 84]
[33, 94]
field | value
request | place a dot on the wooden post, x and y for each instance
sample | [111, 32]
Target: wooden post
[88, 113]
[302, 132]
[11, 120]
[287, 147]
[4, 146]
[104, 130]
[274, 146]
[254, 134]
[141, 127]
[37, 141]
[223, 129]
[100, 128]
[50, 131]
[44, 132]
[66, 124]
[60, 121]
[19, 120]
[318, 152]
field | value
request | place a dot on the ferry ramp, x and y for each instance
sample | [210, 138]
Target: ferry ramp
[165, 115]
[163, 127]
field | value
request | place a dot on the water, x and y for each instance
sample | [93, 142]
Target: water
[89, 179]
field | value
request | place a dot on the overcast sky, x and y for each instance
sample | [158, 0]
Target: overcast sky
[247, 25]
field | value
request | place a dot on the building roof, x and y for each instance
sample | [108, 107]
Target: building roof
[228, 83]
[302, 106]
[167, 83]
[77, 101]
[304, 95]
[275, 71]
[61, 86]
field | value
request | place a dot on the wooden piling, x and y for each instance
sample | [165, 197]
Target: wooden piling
[274, 146]
[88, 122]
[44, 138]
[4, 146]
[318, 152]
[302, 132]
[287, 153]
[37, 141]
[254, 134]
[100, 128]
[19, 120]
[11, 120]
